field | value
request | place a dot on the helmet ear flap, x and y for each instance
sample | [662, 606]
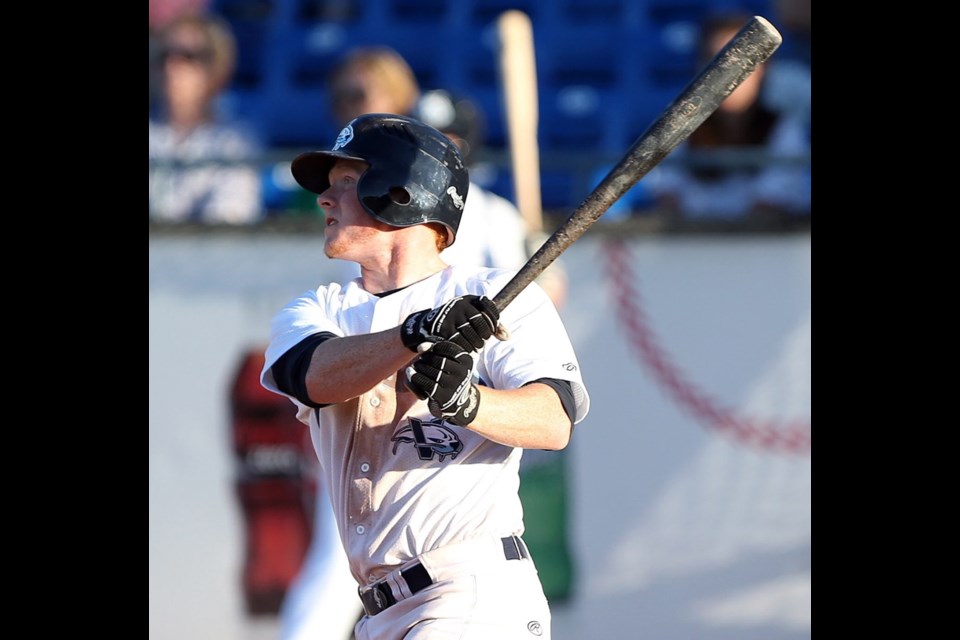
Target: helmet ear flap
[400, 196]
[394, 197]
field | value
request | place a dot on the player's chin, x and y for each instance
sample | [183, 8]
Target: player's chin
[335, 246]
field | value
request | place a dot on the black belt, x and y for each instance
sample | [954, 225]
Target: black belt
[379, 596]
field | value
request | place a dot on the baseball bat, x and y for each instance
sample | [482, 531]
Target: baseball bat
[518, 73]
[751, 46]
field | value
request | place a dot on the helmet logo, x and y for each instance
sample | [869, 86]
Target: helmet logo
[346, 135]
[456, 197]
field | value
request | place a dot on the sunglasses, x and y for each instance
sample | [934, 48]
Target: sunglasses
[203, 56]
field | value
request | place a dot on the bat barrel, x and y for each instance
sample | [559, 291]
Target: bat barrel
[751, 46]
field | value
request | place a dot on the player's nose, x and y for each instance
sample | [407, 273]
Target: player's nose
[327, 199]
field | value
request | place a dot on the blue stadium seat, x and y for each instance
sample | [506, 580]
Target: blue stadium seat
[298, 117]
[583, 118]
[340, 11]
[667, 54]
[427, 50]
[556, 188]
[431, 12]
[244, 10]
[295, 111]
[484, 12]
[490, 101]
[664, 12]
[586, 12]
[470, 66]
[582, 78]
[250, 21]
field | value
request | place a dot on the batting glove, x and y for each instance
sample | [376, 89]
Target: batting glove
[443, 377]
[466, 320]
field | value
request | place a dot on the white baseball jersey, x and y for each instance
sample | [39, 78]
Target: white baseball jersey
[401, 481]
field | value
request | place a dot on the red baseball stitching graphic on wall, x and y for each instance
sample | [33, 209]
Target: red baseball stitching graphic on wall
[793, 437]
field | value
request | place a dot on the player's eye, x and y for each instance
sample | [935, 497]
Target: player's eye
[342, 181]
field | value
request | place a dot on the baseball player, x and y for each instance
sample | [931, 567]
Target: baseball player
[418, 416]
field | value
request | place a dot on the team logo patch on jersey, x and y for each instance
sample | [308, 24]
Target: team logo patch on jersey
[346, 135]
[534, 627]
[456, 197]
[430, 438]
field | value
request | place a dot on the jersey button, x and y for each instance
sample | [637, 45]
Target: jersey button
[365, 467]
[375, 401]
[361, 529]
[372, 578]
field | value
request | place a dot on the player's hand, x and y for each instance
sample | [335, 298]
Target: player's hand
[466, 320]
[443, 377]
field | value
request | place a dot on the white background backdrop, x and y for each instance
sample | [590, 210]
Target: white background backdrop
[679, 530]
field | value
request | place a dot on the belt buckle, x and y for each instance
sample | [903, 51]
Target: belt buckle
[377, 598]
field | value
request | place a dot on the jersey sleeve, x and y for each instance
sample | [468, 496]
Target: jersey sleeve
[299, 319]
[538, 347]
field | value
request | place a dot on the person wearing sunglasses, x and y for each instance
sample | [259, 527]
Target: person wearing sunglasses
[203, 165]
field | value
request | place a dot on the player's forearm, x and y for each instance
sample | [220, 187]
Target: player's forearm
[531, 417]
[343, 368]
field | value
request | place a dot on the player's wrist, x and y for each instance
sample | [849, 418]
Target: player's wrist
[465, 412]
[411, 331]
[443, 376]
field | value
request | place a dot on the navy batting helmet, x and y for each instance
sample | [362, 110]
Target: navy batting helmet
[405, 156]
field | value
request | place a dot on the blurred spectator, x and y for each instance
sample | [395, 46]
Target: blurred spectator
[746, 162]
[371, 80]
[162, 13]
[491, 230]
[368, 79]
[202, 165]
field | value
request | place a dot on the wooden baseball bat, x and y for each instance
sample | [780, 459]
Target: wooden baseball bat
[751, 46]
[518, 76]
